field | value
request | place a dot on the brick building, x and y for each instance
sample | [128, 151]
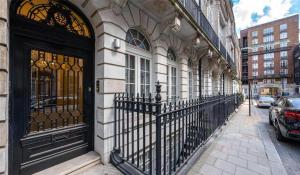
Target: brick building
[267, 56]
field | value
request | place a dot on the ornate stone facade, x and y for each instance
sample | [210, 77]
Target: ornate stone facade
[110, 21]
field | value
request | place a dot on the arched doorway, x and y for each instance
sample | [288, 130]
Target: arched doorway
[51, 98]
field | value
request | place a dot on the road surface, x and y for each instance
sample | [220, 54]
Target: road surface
[289, 151]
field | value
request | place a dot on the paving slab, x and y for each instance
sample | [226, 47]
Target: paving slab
[240, 149]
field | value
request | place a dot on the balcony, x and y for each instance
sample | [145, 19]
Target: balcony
[268, 33]
[280, 75]
[194, 10]
[269, 68]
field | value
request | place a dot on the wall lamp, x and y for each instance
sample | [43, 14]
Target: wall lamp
[117, 43]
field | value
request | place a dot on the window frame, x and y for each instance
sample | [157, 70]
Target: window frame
[172, 64]
[139, 54]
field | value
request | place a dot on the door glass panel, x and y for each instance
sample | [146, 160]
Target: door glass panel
[190, 85]
[145, 76]
[173, 84]
[56, 91]
[130, 74]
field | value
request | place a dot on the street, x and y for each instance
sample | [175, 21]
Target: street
[289, 151]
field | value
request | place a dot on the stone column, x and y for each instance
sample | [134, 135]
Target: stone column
[110, 73]
[4, 87]
[183, 80]
[160, 68]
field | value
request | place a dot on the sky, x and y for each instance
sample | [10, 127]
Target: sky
[253, 12]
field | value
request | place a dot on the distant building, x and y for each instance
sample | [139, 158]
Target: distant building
[297, 68]
[267, 57]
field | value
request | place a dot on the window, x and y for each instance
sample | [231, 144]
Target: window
[145, 76]
[269, 72]
[255, 58]
[254, 34]
[137, 64]
[283, 54]
[255, 66]
[269, 46]
[283, 27]
[171, 76]
[130, 73]
[283, 71]
[190, 85]
[283, 35]
[137, 39]
[269, 56]
[53, 13]
[284, 63]
[254, 41]
[254, 48]
[284, 43]
[268, 31]
[269, 38]
[269, 65]
[173, 83]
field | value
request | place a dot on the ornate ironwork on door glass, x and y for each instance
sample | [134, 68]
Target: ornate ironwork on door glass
[53, 13]
[56, 91]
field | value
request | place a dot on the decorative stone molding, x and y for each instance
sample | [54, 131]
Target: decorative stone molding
[117, 6]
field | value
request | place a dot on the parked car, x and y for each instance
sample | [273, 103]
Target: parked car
[284, 115]
[265, 101]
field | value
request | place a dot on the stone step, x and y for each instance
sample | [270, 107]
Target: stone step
[98, 169]
[73, 166]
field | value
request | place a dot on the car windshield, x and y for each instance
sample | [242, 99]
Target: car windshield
[266, 98]
[295, 102]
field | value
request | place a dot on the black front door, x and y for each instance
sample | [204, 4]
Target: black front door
[51, 93]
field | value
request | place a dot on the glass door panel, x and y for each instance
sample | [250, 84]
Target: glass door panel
[56, 91]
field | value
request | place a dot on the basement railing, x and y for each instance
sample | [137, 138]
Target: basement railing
[151, 137]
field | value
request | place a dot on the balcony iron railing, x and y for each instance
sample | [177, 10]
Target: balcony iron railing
[194, 10]
[151, 137]
[280, 75]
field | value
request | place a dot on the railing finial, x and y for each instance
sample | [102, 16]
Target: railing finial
[158, 90]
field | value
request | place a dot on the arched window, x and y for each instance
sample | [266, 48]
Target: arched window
[138, 64]
[137, 39]
[53, 13]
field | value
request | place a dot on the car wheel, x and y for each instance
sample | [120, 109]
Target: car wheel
[279, 136]
[270, 120]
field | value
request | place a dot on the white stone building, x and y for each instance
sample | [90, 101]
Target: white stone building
[78, 53]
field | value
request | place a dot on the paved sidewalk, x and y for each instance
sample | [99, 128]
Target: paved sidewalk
[241, 149]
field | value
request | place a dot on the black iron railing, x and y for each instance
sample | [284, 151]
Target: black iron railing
[196, 13]
[152, 137]
[280, 75]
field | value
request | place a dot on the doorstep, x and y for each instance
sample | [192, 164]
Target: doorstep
[72, 166]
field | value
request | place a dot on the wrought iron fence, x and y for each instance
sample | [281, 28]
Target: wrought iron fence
[152, 137]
